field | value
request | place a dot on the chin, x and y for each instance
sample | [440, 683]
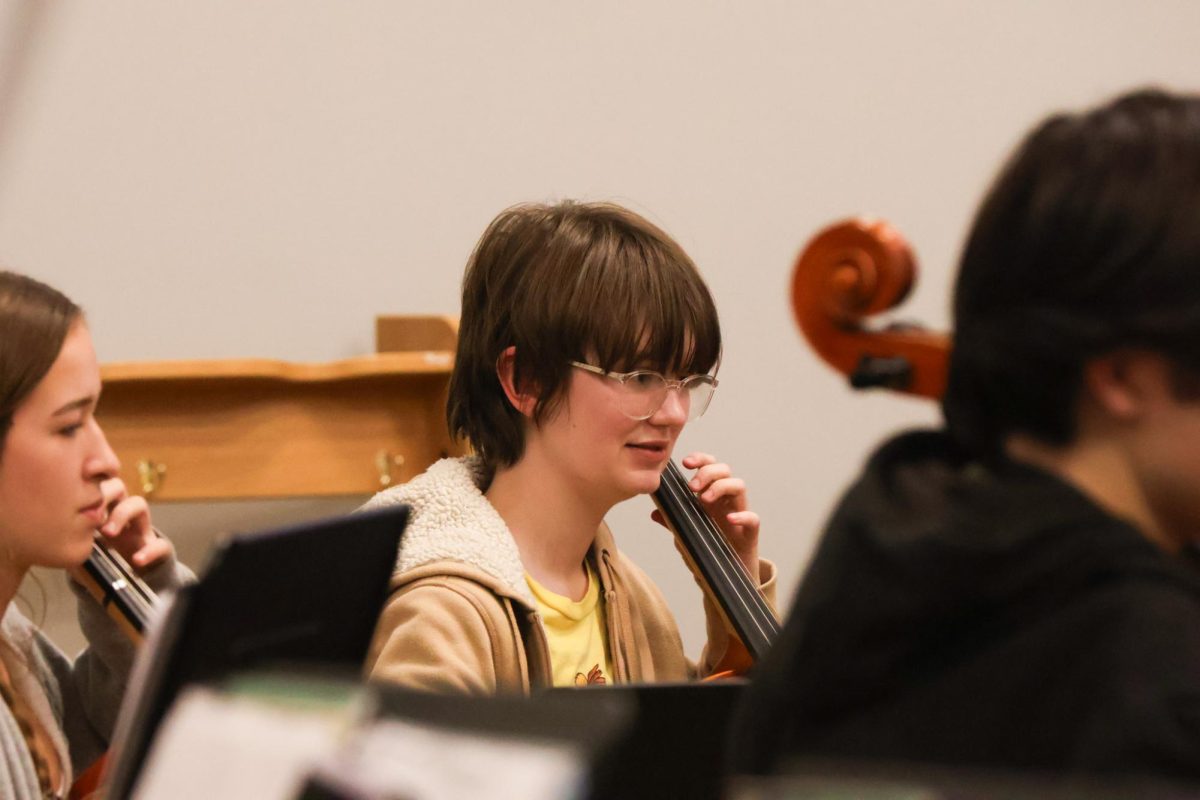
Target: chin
[645, 483]
[79, 550]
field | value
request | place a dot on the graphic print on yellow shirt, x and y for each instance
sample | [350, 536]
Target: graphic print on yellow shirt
[575, 633]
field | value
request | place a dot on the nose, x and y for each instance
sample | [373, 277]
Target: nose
[674, 409]
[101, 462]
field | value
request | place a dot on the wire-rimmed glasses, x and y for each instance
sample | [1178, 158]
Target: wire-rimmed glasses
[644, 391]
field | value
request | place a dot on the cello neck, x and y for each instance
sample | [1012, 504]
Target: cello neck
[722, 573]
[124, 596]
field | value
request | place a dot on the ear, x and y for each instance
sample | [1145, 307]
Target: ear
[1126, 383]
[521, 398]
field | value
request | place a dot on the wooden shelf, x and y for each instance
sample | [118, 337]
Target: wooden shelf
[257, 428]
[423, 363]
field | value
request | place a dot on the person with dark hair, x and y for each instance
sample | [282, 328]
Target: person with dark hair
[587, 341]
[1018, 590]
[58, 487]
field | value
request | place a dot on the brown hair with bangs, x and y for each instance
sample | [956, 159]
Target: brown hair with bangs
[569, 282]
[34, 322]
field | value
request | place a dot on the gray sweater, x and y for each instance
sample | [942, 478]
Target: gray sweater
[75, 702]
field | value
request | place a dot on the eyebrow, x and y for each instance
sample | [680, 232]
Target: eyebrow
[75, 405]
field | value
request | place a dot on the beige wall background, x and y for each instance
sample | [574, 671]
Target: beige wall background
[233, 179]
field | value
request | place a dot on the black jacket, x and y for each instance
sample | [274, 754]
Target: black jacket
[999, 618]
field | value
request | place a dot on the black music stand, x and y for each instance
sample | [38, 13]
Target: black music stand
[307, 595]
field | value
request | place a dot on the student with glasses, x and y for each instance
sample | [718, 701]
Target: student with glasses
[587, 341]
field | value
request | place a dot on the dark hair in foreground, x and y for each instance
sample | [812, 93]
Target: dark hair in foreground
[34, 322]
[588, 282]
[1088, 241]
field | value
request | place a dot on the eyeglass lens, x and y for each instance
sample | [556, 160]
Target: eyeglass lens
[645, 392]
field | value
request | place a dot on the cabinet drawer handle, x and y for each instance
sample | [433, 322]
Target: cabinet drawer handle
[151, 475]
[385, 463]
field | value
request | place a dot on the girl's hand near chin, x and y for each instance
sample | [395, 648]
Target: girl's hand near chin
[724, 498]
[128, 528]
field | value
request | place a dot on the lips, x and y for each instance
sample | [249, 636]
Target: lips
[94, 512]
[657, 448]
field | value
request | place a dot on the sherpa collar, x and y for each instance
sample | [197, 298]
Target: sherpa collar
[451, 520]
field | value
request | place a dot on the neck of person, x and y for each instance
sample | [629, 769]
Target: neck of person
[11, 576]
[1100, 468]
[551, 518]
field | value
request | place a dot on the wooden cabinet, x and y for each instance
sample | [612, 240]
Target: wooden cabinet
[255, 428]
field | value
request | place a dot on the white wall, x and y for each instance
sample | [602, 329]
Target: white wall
[226, 178]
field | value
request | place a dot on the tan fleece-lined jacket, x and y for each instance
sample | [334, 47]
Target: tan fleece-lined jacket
[461, 618]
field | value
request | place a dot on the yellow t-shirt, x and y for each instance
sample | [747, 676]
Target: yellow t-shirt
[575, 633]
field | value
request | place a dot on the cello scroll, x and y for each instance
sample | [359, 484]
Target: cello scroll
[848, 272]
